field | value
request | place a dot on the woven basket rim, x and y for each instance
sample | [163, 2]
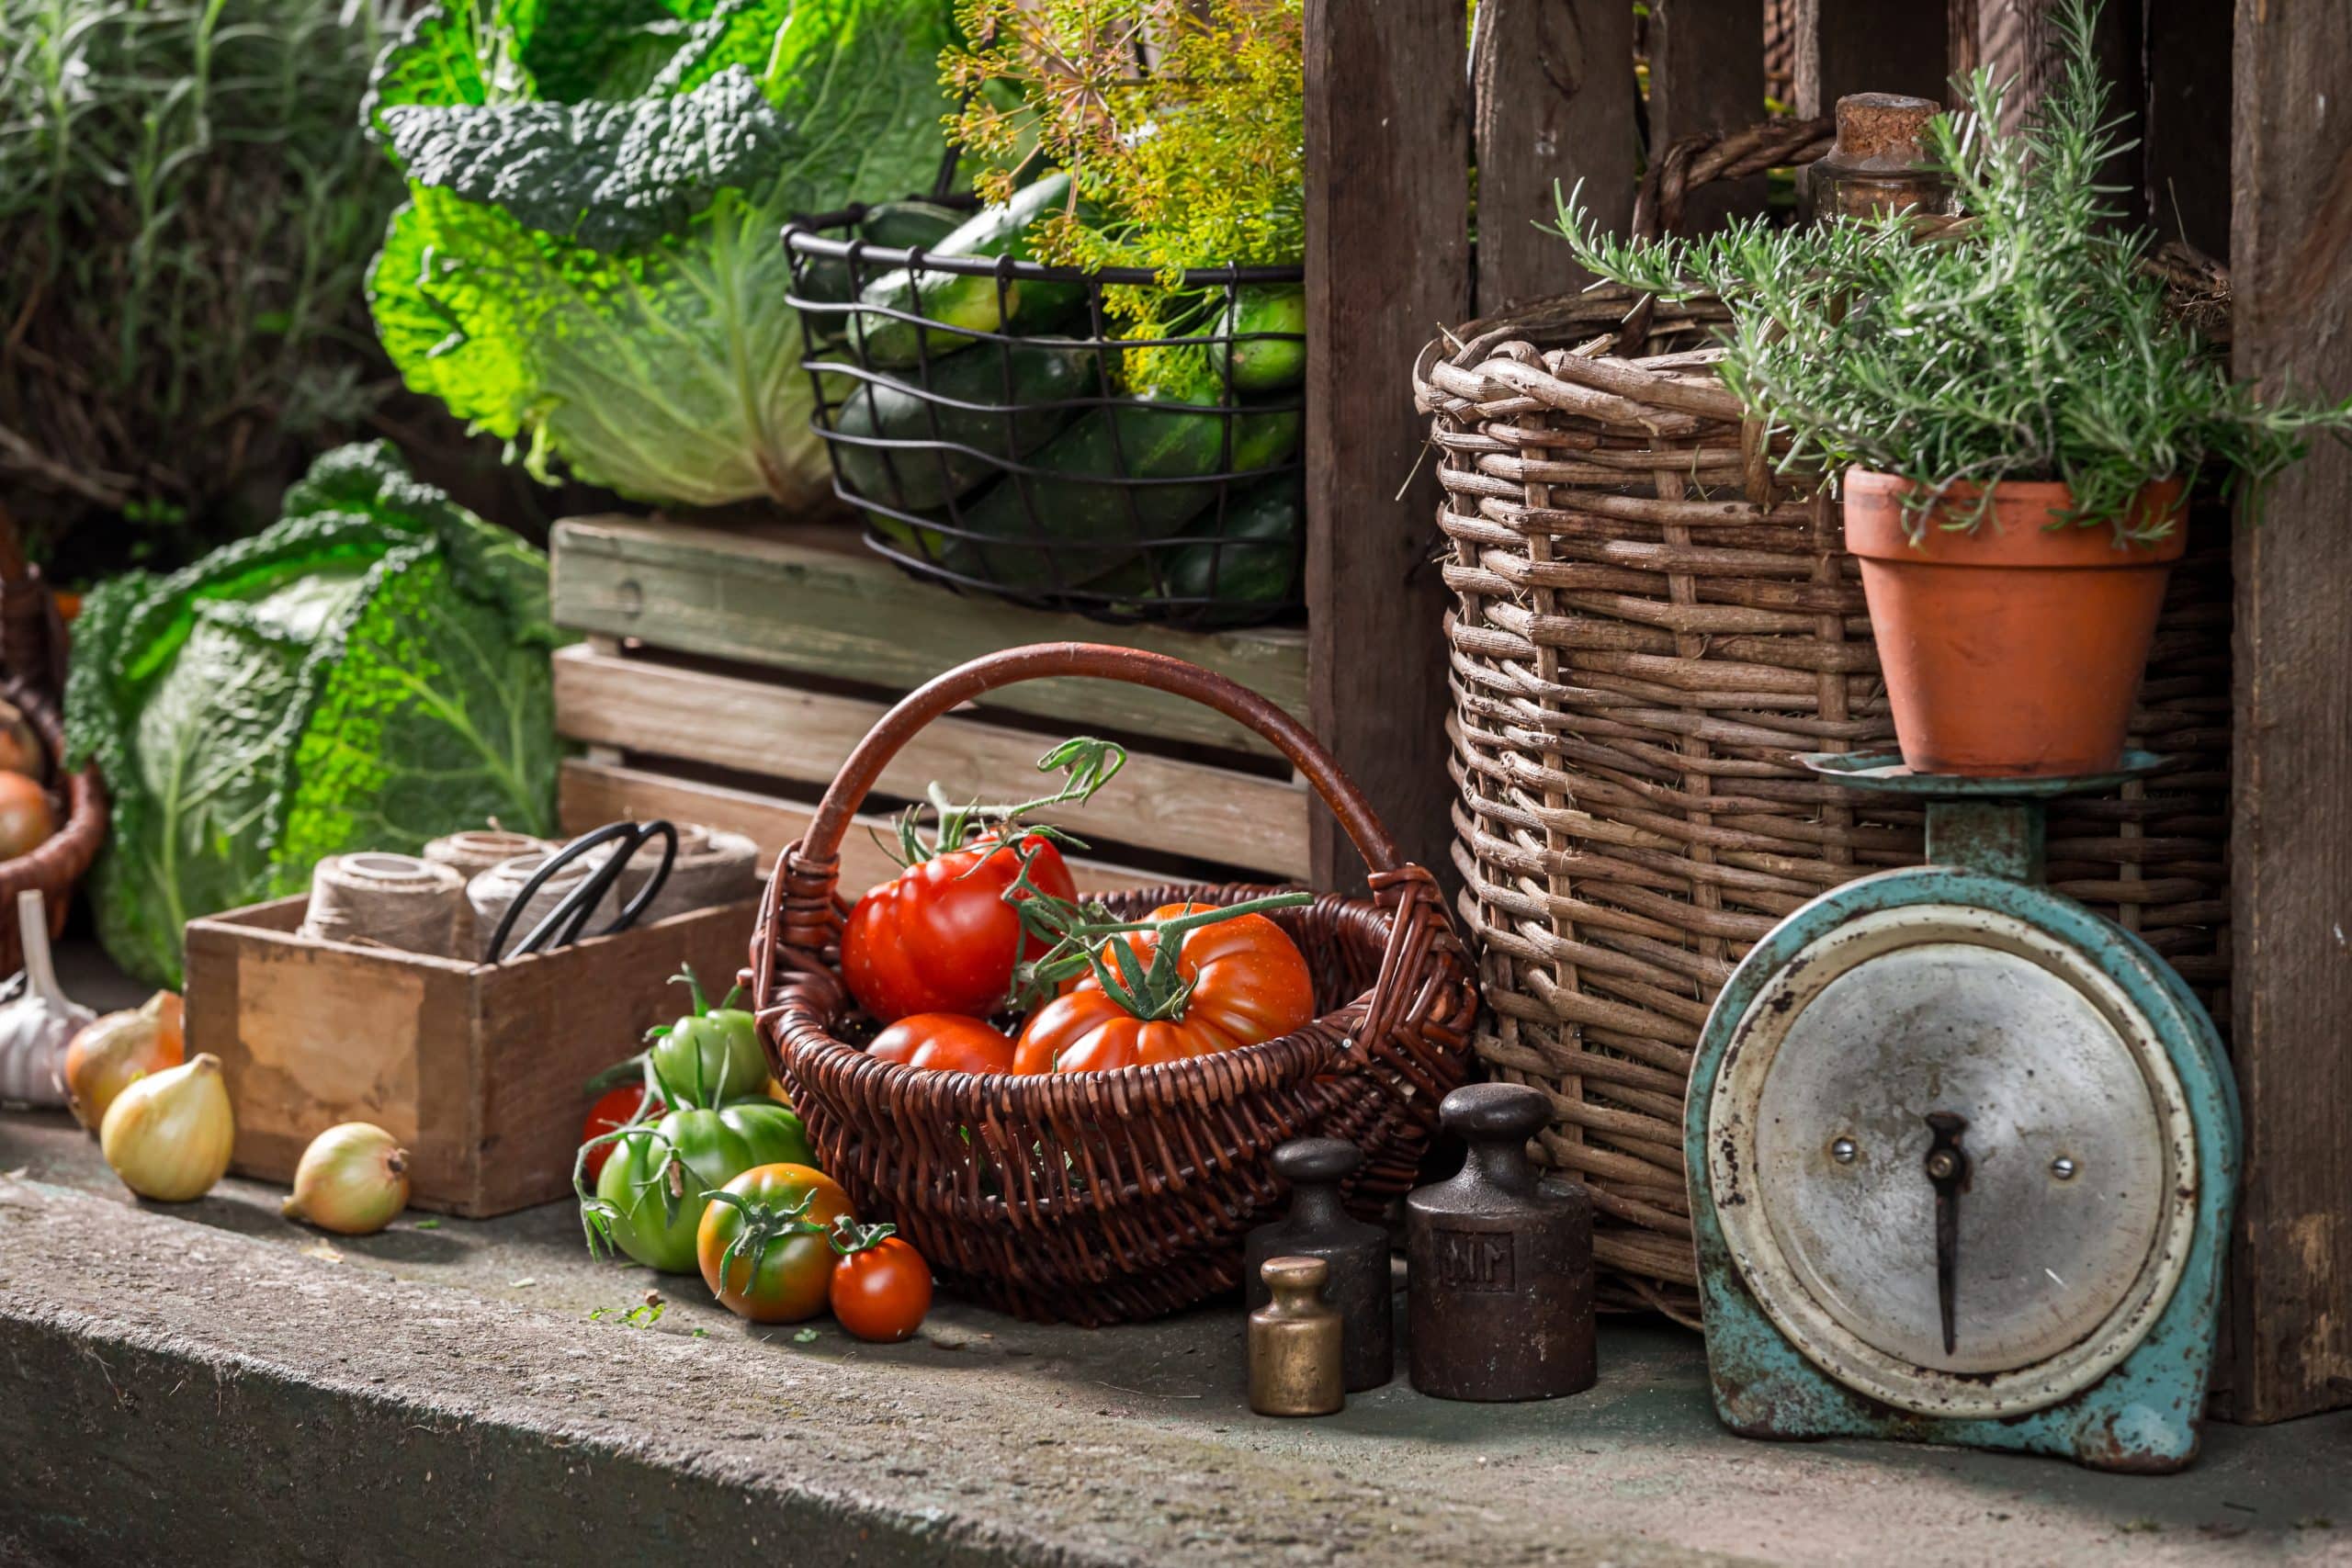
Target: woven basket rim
[1223, 1071]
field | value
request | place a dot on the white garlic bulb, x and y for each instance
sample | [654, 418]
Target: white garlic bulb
[37, 1025]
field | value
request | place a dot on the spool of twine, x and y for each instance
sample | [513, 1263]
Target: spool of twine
[478, 849]
[490, 895]
[386, 900]
[472, 852]
[714, 867]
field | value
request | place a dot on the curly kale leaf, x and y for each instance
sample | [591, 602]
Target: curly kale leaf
[589, 263]
[608, 176]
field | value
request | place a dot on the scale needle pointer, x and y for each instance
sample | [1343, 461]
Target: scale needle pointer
[1947, 1166]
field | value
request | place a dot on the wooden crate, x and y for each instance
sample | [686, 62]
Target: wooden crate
[727, 673]
[477, 1069]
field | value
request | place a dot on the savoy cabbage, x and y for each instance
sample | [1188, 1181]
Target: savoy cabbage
[590, 259]
[368, 672]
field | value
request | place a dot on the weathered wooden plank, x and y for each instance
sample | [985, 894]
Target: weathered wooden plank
[2186, 154]
[1387, 264]
[1552, 94]
[1197, 809]
[1707, 73]
[810, 599]
[590, 794]
[2291, 849]
[1868, 45]
[2019, 40]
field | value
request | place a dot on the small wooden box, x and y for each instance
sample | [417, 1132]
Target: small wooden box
[477, 1069]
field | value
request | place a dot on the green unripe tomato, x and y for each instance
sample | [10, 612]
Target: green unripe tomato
[709, 1060]
[709, 1149]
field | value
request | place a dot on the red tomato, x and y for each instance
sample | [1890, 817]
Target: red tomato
[1250, 984]
[939, 937]
[882, 1291]
[944, 1041]
[615, 1108]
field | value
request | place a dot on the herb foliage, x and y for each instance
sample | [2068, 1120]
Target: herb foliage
[2027, 343]
[1181, 124]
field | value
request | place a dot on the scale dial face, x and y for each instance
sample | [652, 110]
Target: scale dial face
[1954, 1162]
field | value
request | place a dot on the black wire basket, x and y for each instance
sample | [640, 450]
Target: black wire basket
[983, 415]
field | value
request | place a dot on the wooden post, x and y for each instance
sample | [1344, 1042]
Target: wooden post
[1707, 73]
[1387, 265]
[1866, 46]
[2186, 151]
[2291, 847]
[2019, 40]
[1553, 93]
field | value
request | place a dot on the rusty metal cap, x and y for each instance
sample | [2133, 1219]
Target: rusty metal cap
[1884, 130]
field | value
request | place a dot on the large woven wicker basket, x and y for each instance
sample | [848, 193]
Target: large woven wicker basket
[1650, 620]
[1111, 1197]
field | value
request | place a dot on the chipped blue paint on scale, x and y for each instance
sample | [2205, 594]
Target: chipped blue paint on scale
[2143, 1414]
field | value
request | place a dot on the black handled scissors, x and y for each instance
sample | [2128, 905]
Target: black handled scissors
[561, 925]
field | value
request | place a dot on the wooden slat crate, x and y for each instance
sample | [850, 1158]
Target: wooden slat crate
[479, 1069]
[727, 673]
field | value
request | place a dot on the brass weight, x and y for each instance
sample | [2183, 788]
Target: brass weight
[1294, 1343]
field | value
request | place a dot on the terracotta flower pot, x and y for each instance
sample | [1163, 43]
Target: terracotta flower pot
[2014, 650]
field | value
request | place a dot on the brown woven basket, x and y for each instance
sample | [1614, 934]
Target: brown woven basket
[32, 656]
[1650, 622]
[1101, 1198]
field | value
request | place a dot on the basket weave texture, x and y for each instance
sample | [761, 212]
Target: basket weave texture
[1650, 620]
[1101, 1198]
[32, 659]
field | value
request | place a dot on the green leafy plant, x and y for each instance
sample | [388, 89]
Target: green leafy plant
[2027, 343]
[1180, 124]
[589, 264]
[368, 672]
[188, 206]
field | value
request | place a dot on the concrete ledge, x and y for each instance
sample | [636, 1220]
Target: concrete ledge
[283, 1410]
[190, 1383]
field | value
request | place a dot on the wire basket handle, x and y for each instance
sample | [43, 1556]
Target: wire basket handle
[1049, 660]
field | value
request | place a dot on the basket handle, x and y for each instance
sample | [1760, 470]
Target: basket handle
[819, 851]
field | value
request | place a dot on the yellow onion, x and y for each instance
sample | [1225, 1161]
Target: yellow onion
[352, 1180]
[169, 1135]
[107, 1056]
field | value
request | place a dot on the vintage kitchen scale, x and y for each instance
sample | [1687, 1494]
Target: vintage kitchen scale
[1962, 1156]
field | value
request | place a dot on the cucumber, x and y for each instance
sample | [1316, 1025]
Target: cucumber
[960, 304]
[1077, 501]
[1013, 391]
[893, 225]
[1252, 571]
[1263, 364]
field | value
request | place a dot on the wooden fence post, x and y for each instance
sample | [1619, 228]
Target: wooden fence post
[1553, 95]
[1707, 73]
[1866, 46]
[1387, 265]
[2292, 845]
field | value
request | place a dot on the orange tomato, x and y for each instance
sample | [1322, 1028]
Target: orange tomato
[26, 818]
[1249, 984]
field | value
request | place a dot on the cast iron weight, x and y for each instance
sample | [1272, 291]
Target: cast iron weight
[1500, 1289]
[1359, 1288]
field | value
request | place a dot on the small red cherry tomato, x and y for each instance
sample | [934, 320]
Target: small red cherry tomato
[944, 1042]
[615, 1109]
[882, 1291]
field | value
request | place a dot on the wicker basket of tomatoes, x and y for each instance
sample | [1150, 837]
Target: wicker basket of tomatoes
[1100, 1160]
